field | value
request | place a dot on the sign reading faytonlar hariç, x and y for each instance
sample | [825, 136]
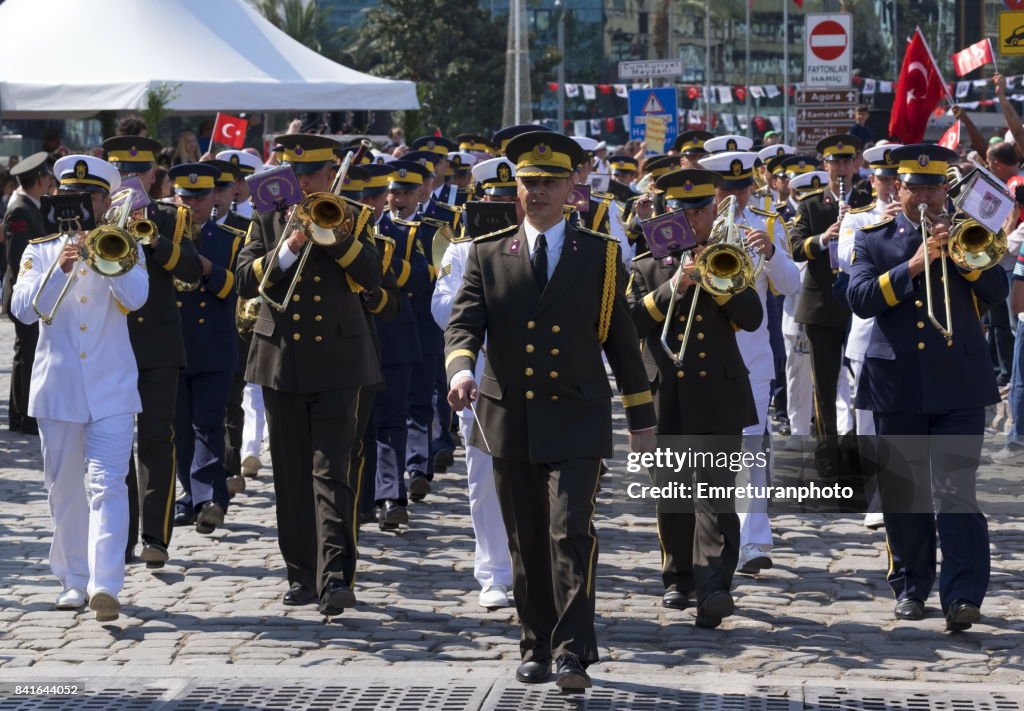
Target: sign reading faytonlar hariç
[828, 50]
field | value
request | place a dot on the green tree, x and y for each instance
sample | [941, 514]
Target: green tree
[451, 49]
[304, 21]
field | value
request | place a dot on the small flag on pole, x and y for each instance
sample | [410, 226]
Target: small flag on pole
[951, 138]
[230, 130]
[977, 55]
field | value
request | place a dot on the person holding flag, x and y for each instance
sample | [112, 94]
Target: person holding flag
[919, 88]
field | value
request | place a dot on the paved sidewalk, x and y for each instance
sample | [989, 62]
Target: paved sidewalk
[821, 617]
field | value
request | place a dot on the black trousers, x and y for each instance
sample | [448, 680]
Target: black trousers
[311, 439]
[151, 484]
[25, 339]
[364, 454]
[826, 344]
[548, 511]
[700, 547]
[234, 421]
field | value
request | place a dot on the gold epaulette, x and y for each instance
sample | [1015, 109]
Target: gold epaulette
[809, 193]
[47, 238]
[233, 230]
[496, 233]
[595, 233]
[760, 211]
[866, 208]
[602, 196]
[875, 226]
[642, 256]
[779, 205]
[404, 223]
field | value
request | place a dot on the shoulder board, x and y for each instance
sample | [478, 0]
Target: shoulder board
[866, 208]
[644, 255]
[595, 233]
[759, 211]
[404, 223]
[877, 225]
[232, 230]
[497, 233]
[809, 193]
[47, 238]
[602, 196]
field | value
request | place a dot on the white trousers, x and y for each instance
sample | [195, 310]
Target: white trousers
[90, 530]
[254, 422]
[754, 524]
[865, 418]
[492, 564]
[799, 393]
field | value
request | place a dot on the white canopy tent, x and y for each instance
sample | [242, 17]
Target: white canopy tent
[223, 53]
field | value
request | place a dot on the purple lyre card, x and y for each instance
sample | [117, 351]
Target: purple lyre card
[140, 198]
[579, 198]
[833, 253]
[276, 189]
[668, 234]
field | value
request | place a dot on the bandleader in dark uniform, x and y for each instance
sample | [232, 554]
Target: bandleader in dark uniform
[23, 222]
[707, 396]
[312, 360]
[159, 348]
[208, 325]
[826, 318]
[549, 298]
[928, 394]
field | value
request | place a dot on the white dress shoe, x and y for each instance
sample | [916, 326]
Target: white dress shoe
[71, 599]
[754, 557]
[874, 521]
[105, 605]
[494, 596]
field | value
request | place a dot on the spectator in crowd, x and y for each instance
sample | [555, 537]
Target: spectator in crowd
[162, 187]
[187, 150]
[132, 125]
[1002, 159]
[860, 128]
[7, 186]
[205, 135]
[396, 138]
[166, 158]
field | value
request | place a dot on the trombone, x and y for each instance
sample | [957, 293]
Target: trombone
[321, 215]
[724, 268]
[109, 250]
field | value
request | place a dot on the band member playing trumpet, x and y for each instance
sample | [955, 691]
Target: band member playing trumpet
[931, 432]
[312, 356]
[84, 389]
[700, 546]
[159, 346]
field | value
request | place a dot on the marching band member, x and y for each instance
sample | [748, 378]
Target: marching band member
[245, 164]
[155, 331]
[84, 396]
[767, 237]
[769, 194]
[932, 434]
[689, 145]
[547, 296]
[699, 547]
[492, 567]
[312, 359]
[603, 215]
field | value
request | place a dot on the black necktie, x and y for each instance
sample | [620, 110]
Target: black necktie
[540, 262]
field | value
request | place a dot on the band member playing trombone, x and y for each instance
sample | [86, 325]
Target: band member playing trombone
[312, 353]
[84, 385]
[700, 546]
[159, 346]
[927, 336]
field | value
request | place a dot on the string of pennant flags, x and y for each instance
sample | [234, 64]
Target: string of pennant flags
[691, 118]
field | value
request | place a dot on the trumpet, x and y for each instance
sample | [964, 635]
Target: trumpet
[724, 268]
[322, 216]
[946, 329]
[109, 250]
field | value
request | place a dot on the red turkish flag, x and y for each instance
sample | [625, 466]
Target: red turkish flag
[919, 88]
[229, 130]
[977, 55]
[1014, 4]
[692, 92]
[951, 138]
[740, 92]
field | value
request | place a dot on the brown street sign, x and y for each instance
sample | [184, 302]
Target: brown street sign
[821, 114]
[826, 96]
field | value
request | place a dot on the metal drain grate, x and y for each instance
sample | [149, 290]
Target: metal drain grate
[636, 697]
[122, 698]
[330, 697]
[853, 699]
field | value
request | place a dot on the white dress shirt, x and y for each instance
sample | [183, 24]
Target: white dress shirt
[554, 236]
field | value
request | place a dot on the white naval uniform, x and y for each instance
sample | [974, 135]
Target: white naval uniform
[780, 274]
[85, 395]
[254, 421]
[860, 328]
[492, 563]
[616, 229]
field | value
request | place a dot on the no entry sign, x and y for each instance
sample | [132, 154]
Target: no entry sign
[828, 50]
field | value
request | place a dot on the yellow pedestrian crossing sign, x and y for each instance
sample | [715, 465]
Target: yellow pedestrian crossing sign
[1011, 33]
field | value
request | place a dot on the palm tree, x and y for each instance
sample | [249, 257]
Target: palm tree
[305, 22]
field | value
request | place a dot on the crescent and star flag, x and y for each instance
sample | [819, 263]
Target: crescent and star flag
[977, 55]
[951, 138]
[229, 130]
[919, 88]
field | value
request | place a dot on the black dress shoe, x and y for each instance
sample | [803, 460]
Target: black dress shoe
[184, 517]
[570, 673]
[675, 600]
[154, 553]
[367, 516]
[961, 616]
[336, 598]
[419, 487]
[391, 515]
[535, 671]
[443, 459]
[909, 609]
[299, 594]
[209, 517]
[714, 608]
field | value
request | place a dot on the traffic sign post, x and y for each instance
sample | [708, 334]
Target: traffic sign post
[821, 113]
[1011, 33]
[828, 50]
[660, 102]
[649, 69]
